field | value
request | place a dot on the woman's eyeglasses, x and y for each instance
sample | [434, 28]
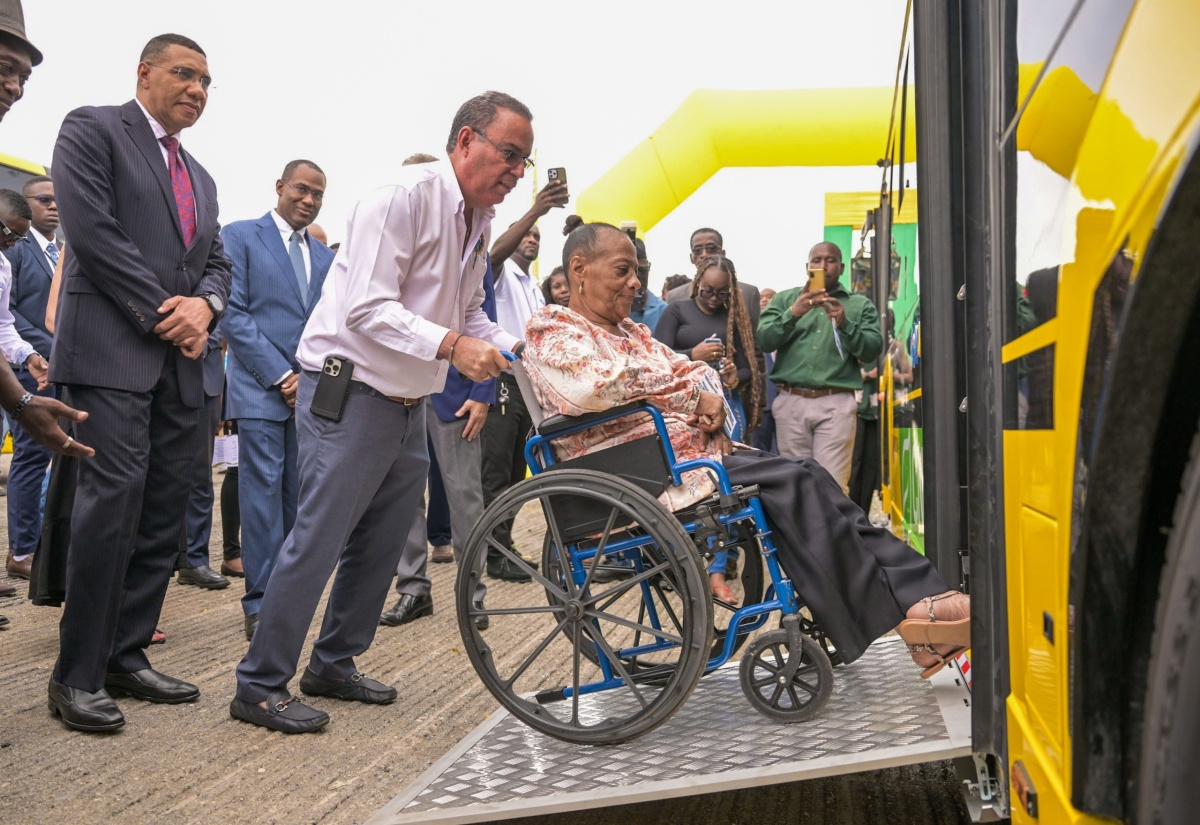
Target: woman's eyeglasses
[723, 294]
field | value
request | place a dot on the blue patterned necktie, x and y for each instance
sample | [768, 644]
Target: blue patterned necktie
[298, 263]
[52, 251]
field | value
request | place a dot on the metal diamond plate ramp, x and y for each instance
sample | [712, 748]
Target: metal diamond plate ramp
[881, 714]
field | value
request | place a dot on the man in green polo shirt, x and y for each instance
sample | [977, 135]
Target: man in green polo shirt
[819, 338]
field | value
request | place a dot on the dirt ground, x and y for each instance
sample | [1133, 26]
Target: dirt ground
[192, 763]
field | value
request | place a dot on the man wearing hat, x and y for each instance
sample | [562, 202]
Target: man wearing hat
[17, 55]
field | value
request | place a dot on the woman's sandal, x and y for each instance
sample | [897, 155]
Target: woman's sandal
[943, 659]
[159, 638]
[934, 631]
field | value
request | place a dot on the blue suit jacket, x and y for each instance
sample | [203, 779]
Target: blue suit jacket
[31, 276]
[265, 316]
[127, 252]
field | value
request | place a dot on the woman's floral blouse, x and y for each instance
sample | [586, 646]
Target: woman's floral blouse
[577, 367]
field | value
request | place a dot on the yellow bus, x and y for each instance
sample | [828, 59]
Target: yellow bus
[1059, 246]
[14, 171]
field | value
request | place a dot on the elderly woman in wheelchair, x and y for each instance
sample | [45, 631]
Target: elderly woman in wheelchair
[632, 471]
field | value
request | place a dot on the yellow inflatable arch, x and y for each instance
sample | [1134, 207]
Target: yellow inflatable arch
[803, 127]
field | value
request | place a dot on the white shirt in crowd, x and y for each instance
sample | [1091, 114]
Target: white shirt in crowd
[518, 296]
[43, 242]
[409, 271]
[159, 134]
[15, 348]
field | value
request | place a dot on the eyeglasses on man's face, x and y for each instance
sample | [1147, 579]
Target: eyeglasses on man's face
[44, 200]
[9, 237]
[723, 294]
[186, 75]
[510, 157]
[304, 191]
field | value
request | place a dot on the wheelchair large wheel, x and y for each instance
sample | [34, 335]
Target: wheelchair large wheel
[648, 634]
[748, 586]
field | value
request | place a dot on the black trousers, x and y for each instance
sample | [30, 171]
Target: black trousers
[231, 516]
[857, 580]
[865, 473]
[503, 448]
[126, 525]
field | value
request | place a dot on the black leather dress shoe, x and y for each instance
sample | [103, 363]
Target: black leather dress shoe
[81, 710]
[151, 686]
[283, 712]
[7, 589]
[3, 621]
[354, 688]
[203, 576]
[251, 626]
[482, 622]
[506, 570]
[408, 609]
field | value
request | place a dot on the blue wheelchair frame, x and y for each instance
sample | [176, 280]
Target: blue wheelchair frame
[780, 594]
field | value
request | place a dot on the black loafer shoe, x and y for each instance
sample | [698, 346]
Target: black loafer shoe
[226, 570]
[283, 713]
[152, 686]
[482, 622]
[506, 570]
[81, 710]
[7, 589]
[408, 609]
[251, 626]
[203, 576]
[3, 621]
[354, 688]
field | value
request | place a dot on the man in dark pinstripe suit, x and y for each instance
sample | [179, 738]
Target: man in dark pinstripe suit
[145, 282]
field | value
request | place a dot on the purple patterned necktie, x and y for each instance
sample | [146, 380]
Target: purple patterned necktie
[185, 199]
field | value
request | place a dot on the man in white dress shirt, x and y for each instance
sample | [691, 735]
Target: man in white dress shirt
[518, 296]
[402, 303]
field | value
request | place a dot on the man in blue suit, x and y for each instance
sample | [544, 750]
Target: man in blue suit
[278, 272]
[32, 261]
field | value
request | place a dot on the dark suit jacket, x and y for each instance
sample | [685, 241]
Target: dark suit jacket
[127, 252]
[266, 315]
[31, 276]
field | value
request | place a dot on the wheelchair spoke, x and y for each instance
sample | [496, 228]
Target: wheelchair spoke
[774, 700]
[515, 611]
[560, 546]
[796, 703]
[520, 562]
[812, 690]
[624, 586]
[632, 625]
[666, 605]
[612, 519]
[615, 661]
[536, 652]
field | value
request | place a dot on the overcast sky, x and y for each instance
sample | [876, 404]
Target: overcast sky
[358, 86]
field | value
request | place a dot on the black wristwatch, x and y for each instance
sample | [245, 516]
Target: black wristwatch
[214, 303]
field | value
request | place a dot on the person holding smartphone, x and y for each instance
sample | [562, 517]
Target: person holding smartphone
[820, 334]
[384, 333]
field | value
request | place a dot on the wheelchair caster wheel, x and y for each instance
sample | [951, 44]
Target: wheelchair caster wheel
[786, 682]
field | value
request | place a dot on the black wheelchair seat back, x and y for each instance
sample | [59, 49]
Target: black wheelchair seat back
[642, 462]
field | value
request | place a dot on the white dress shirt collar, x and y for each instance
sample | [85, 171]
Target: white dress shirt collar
[159, 132]
[42, 241]
[285, 231]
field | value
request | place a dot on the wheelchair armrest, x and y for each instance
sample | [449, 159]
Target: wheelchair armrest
[557, 423]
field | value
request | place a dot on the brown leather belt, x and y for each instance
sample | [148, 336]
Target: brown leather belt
[805, 392]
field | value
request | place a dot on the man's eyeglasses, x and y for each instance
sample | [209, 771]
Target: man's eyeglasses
[510, 157]
[8, 235]
[317, 194]
[723, 294]
[44, 200]
[186, 75]
[711, 249]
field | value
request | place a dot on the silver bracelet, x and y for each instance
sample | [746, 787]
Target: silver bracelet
[15, 412]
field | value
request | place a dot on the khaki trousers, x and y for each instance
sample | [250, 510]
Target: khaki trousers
[818, 428]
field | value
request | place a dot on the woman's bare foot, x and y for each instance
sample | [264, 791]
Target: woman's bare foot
[720, 588]
[947, 607]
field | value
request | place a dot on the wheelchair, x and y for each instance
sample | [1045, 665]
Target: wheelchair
[621, 601]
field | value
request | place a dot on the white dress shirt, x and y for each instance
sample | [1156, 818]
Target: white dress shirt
[159, 134]
[409, 271]
[517, 297]
[43, 242]
[285, 231]
[15, 348]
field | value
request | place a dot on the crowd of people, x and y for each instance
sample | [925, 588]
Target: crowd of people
[357, 380]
